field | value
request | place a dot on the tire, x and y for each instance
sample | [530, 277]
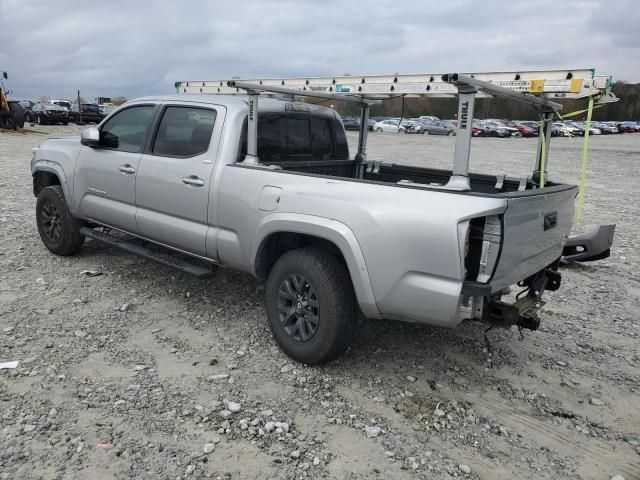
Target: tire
[378, 130]
[39, 120]
[63, 238]
[18, 114]
[7, 120]
[323, 280]
[450, 133]
[65, 123]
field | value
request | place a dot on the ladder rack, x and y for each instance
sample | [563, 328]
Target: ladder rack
[535, 88]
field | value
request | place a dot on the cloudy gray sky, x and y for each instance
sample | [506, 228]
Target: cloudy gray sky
[133, 48]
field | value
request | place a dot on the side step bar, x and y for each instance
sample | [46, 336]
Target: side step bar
[589, 246]
[161, 257]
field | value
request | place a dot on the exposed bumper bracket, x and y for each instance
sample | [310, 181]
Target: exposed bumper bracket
[522, 313]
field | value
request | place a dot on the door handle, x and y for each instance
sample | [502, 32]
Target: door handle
[127, 168]
[193, 180]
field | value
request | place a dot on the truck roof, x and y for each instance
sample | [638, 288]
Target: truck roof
[241, 101]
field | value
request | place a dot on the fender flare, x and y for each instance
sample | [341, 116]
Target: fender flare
[332, 230]
[56, 169]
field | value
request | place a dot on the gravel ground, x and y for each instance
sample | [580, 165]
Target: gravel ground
[142, 372]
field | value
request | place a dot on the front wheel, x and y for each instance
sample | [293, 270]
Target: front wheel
[310, 305]
[59, 231]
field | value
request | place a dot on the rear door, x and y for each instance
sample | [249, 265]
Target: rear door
[174, 181]
[105, 177]
[536, 227]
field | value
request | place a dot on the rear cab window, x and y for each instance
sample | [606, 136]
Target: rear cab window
[289, 137]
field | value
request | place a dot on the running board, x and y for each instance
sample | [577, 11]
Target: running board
[589, 246]
[137, 249]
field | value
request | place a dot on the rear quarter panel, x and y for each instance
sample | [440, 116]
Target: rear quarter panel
[408, 236]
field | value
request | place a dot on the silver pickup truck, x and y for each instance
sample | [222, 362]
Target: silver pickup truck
[166, 177]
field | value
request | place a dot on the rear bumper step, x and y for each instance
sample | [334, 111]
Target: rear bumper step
[165, 258]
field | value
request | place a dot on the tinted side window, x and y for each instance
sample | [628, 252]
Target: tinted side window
[321, 138]
[285, 138]
[184, 132]
[299, 136]
[127, 130]
[272, 137]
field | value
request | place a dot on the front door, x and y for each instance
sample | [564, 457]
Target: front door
[105, 179]
[173, 184]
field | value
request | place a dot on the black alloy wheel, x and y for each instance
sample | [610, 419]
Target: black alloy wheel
[298, 307]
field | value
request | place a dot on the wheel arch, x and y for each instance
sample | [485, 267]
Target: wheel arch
[45, 174]
[280, 233]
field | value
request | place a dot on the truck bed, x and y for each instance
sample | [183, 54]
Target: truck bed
[407, 175]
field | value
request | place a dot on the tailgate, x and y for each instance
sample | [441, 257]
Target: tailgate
[536, 227]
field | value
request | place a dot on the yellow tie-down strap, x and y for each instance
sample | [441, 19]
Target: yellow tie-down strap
[582, 184]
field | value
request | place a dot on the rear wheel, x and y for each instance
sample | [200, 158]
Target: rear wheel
[378, 129]
[450, 133]
[59, 231]
[310, 305]
[39, 120]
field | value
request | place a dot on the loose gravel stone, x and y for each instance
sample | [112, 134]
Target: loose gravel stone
[372, 432]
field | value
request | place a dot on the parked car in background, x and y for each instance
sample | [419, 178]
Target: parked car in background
[495, 128]
[61, 103]
[388, 126]
[413, 126]
[441, 127]
[579, 129]
[428, 118]
[605, 128]
[565, 130]
[49, 113]
[351, 123]
[593, 130]
[615, 125]
[477, 130]
[90, 113]
[525, 130]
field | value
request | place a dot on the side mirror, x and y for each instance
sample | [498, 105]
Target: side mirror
[4, 74]
[90, 137]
